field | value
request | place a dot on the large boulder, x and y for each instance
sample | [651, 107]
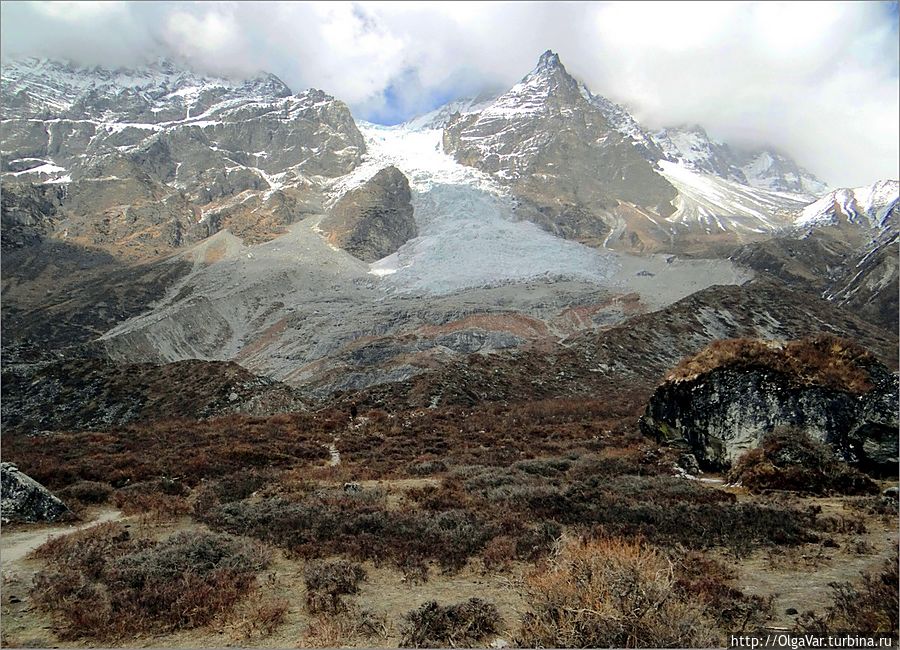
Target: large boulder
[26, 500]
[722, 402]
[375, 219]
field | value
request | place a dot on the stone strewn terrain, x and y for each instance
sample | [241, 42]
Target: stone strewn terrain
[375, 219]
[722, 402]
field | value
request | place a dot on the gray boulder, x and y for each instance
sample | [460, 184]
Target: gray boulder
[26, 500]
[719, 414]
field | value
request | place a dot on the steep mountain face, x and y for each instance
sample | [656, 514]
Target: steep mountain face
[869, 284]
[575, 175]
[584, 168]
[373, 220]
[842, 247]
[764, 169]
[166, 157]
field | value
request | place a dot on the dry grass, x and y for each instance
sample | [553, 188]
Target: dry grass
[789, 459]
[612, 593]
[822, 360]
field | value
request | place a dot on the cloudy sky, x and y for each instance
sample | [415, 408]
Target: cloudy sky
[817, 80]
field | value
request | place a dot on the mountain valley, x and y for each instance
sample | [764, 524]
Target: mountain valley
[437, 351]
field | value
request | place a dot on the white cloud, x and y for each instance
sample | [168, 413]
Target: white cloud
[819, 80]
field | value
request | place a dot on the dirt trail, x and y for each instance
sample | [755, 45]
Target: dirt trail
[334, 455]
[16, 545]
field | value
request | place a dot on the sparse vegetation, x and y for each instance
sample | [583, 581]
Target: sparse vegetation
[867, 608]
[433, 625]
[104, 583]
[822, 360]
[789, 459]
[711, 583]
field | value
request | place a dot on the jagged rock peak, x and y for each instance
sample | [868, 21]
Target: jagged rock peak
[549, 67]
[549, 61]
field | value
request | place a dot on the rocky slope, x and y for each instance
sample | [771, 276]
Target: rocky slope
[92, 394]
[627, 360]
[375, 219]
[583, 168]
[722, 402]
[151, 159]
[559, 155]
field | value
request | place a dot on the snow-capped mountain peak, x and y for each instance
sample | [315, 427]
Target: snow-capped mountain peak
[871, 206]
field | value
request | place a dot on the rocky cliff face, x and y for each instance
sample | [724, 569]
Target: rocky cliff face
[558, 153]
[726, 408]
[375, 219]
[152, 159]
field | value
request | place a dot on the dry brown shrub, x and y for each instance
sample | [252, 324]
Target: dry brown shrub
[434, 626]
[611, 593]
[102, 583]
[349, 628]
[789, 459]
[327, 581]
[822, 360]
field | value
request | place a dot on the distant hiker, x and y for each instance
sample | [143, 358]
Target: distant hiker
[353, 412]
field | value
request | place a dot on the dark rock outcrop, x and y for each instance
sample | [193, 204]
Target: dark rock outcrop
[725, 410]
[26, 500]
[375, 219]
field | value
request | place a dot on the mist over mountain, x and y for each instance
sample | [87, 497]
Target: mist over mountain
[818, 82]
